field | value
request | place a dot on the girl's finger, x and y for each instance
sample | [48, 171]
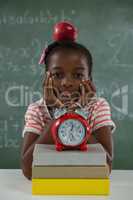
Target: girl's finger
[89, 86]
[83, 99]
[50, 87]
[86, 85]
[90, 90]
[92, 86]
[46, 80]
[47, 84]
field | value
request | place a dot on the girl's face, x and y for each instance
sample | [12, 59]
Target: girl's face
[68, 69]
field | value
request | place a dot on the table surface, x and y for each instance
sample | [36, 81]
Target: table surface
[14, 186]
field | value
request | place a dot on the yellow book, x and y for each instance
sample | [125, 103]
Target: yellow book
[70, 186]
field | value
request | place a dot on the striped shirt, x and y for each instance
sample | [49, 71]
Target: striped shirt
[38, 115]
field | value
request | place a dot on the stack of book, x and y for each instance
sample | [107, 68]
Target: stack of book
[70, 172]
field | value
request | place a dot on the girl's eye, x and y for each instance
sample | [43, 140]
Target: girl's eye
[58, 75]
[78, 75]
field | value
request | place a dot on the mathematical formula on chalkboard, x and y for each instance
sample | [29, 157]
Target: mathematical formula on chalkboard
[42, 17]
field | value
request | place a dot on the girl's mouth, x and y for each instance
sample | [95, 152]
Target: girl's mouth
[66, 93]
[67, 96]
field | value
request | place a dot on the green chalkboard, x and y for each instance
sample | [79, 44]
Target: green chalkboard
[105, 27]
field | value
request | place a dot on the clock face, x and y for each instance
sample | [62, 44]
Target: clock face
[71, 132]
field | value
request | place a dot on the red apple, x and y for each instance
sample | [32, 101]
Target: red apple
[64, 31]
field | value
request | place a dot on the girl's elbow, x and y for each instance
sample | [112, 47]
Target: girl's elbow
[26, 169]
[27, 173]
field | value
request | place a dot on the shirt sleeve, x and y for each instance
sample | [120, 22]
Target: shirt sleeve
[33, 122]
[102, 116]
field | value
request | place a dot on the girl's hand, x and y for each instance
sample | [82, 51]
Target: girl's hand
[47, 135]
[49, 95]
[88, 90]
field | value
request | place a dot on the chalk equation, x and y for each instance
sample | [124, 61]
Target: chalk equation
[19, 59]
[43, 17]
[122, 44]
[10, 132]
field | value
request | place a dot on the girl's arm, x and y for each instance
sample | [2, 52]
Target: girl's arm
[103, 135]
[29, 141]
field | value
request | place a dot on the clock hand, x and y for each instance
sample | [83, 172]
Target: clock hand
[71, 127]
[72, 136]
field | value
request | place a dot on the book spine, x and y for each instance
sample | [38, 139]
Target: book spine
[78, 160]
[70, 186]
[70, 172]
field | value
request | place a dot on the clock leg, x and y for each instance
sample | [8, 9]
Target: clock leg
[83, 147]
[59, 147]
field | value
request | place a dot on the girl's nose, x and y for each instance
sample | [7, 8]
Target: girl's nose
[67, 83]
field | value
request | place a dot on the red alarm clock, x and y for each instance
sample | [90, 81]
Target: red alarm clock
[70, 130]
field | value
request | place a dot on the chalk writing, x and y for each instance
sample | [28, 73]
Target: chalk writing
[43, 17]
